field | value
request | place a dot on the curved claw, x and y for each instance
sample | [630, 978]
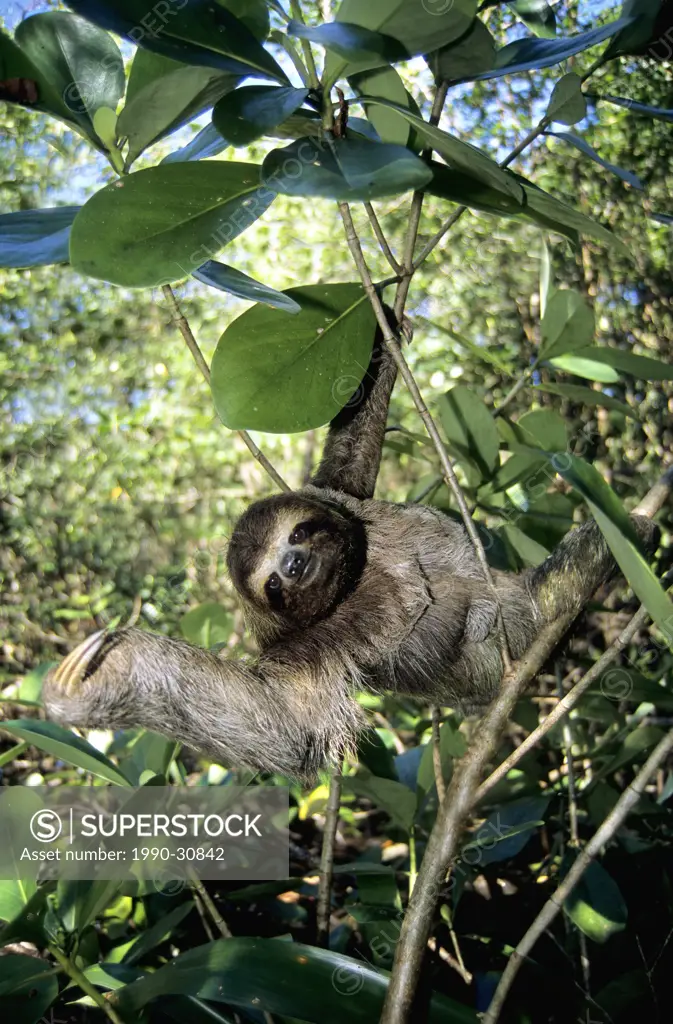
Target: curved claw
[69, 673]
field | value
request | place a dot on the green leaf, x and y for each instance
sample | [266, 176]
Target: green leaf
[15, 894]
[65, 746]
[641, 367]
[28, 987]
[164, 94]
[583, 367]
[14, 63]
[161, 224]
[254, 110]
[618, 531]
[228, 279]
[459, 187]
[206, 625]
[523, 550]
[35, 238]
[596, 905]
[658, 113]
[394, 798]
[199, 32]
[286, 373]
[343, 169]
[460, 155]
[466, 57]
[286, 978]
[386, 84]
[507, 830]
[584, 147]
[587, 396]
[568, 324]
[157, 934]
[82, 63]
[542, 428]
[643, 15]
[532, 54]
[548, 212]
[567, 103]
[207, 142]
[81, 901]
[537, 15]
[416, 27]
[470, 428]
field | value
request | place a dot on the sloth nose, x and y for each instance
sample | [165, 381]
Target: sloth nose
[293, 563]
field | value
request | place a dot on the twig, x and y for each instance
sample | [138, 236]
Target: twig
[305, 46]
[217, 919]
[180, 321]
[324, 909]
[89, 989]
[614, 820]
[437, 755]
[517, 387]
[382, 240]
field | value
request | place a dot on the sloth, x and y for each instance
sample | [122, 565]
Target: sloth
[341, 593]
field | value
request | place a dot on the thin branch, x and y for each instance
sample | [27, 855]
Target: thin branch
[205, 897]
[437, 754]
[517, 387]
[180, 321]
[89, 989]
[324, 909]
[305, 46]
[605, 833]
[382, 240]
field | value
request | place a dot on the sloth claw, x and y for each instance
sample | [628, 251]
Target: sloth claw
[71, 671]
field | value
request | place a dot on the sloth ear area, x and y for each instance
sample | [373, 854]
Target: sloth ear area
[481, 618]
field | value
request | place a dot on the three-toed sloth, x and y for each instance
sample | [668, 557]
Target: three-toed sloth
[341, 592]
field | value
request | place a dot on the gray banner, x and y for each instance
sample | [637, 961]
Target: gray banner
[153, 833]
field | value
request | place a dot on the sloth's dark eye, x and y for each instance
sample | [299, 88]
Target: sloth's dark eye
[274, 582]
[298, 535]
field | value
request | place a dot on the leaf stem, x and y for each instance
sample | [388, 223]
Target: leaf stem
[81, 980]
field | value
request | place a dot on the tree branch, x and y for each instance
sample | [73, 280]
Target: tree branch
[324, 909]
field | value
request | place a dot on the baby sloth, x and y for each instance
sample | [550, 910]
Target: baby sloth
[341, 593]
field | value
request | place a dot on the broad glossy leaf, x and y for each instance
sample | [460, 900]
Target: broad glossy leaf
[28, 987]
[582, 366]
[352, 47]
[584, 147]
[643, 15]
[343, 169]
[35, 238]
[161, 224]
[587, 396]
[658, 113]
[470, 428]
[568, 324]
[207, 142]
[537, 15]
[65, 746]
[228, 279]
[459, 187]
[543, 428]
[82, 900]
[253, 13]
[394, 798]
[43, 96]
[164, 95]
[207, 625]
[15, 893]
[549, 212]
[254, 110]
[199, 32]
[419, 28]
[523, 551]
[282, 373]
[82, 63]
[387, 84]
[507, 830]
[532, 54]
[286, 978]
[466, 57]
[596, 905]
[641, 367]
[460, 155]
[567, 103]
[616, 527]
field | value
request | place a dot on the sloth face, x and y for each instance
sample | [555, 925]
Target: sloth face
[296, 557]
